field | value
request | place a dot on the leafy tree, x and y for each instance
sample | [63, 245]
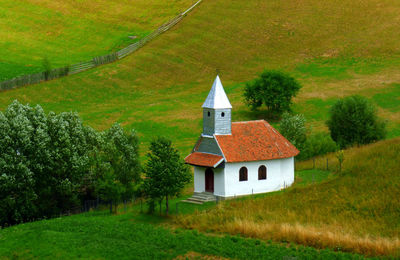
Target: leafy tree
[354, 120]
[110, 189]
[46, 67]
[120, 161]
[17, 194]
[166, 173]
[48, 162]
[294, 129]
[274, 89]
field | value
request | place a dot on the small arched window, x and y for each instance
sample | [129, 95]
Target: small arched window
[262, 172]
[222, 114]
[243, 174]
[208, 113]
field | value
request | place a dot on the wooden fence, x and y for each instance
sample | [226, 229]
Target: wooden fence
[97, 61]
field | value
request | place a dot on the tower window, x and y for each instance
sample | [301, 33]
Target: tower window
[222, 114]
[208, 113]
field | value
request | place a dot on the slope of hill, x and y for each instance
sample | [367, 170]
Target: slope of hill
[335, 48]
[101, 236]
[357, 211]
[67, 32]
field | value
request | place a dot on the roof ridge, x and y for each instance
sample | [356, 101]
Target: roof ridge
[250, 121]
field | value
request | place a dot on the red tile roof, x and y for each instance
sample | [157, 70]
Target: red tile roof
[204, 159]
[255, 141]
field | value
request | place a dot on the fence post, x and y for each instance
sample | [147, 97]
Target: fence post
[313, 163]
[327, 164]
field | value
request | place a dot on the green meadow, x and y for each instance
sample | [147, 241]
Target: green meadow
[98, 235]
[134, 234]
[333, 48]
[68, 32]
[282, 224]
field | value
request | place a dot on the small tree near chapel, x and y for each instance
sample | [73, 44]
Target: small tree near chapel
[274, 89]
[166, 173]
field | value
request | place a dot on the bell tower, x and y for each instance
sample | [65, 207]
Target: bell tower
[217, 111]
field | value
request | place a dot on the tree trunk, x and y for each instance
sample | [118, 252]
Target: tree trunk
[166, 205]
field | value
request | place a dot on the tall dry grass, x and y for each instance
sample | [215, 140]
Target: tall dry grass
[359, 211]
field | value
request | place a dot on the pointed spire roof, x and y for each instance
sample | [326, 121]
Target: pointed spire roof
[217, 97]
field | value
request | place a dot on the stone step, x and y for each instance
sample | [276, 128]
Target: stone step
[203, 197]
[196, 199]
[200, 198]
[193, 202]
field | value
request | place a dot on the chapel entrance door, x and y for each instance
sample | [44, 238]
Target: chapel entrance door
[209, 180]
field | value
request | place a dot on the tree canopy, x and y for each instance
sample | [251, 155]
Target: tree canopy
[166, 172]
[50, 162]
[354, 120]
[274, 89]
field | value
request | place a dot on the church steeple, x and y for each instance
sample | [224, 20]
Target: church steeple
[217, 111]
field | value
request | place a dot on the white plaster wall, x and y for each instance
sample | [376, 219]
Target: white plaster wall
[219, 182]
[199, 179]
[279, 172]
[287, 166]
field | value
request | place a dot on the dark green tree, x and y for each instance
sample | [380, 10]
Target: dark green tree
[109, 188]
[354, 120]
[122, 150]
[274, 89]
[166, 173]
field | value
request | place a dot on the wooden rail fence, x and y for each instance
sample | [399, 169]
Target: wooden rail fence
[96, 61]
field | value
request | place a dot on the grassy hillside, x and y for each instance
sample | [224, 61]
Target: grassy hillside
[359, 210]
[69, 31]
[101, 236]
[335, 48]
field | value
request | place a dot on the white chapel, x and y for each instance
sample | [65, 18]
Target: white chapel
[239, 158]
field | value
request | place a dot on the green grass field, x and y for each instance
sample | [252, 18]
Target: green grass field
[98, 235]
[334, 48]
[67, 32]
[132, 234]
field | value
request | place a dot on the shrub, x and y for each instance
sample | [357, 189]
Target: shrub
[354, 120]
[294, 129]
[317, 144]
[274, 89]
